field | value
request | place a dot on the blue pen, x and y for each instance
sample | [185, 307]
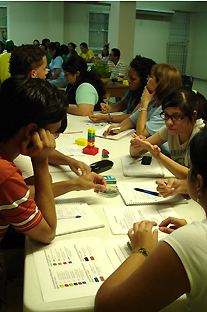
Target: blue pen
[146, 191]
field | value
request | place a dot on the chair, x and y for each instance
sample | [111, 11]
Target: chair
[187, 81]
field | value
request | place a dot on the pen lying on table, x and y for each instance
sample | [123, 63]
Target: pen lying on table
[147, 191]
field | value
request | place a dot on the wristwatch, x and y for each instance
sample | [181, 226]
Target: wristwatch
[142, 109]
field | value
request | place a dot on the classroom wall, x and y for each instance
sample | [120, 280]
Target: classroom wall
[67, 21]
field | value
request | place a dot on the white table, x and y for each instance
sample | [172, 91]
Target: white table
[33, 300]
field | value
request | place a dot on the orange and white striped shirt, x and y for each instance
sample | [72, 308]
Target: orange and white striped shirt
[16, 207]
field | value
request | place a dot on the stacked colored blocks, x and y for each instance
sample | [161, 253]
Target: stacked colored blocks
[105, 154]
[90, 149]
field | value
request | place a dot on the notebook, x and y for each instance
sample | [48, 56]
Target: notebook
[75, 217]
[99, 133]
[131, 168]
[132, 197]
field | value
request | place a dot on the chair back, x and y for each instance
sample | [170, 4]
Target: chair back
[187, 81]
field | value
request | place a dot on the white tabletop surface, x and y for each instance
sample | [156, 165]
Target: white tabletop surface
[33, 300]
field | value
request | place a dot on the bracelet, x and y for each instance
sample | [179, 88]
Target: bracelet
[141, 250]
[111, 117]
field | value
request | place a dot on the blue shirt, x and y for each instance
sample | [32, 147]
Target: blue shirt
[154, 122]
[57, 63]
[129, 96]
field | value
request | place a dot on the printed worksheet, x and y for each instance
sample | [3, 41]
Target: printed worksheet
[71, 268]
[117, 250]
[121, 219]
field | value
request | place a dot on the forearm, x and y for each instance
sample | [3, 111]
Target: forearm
[126, 124]
[57, 158]
[43, 193]
[124, 270]
[118, 107]
[176, 169]
[80, 110]
[141, 124]
[56, 75]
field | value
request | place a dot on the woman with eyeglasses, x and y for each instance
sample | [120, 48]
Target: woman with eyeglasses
[155, 275]
[146, 119]
[180, 113]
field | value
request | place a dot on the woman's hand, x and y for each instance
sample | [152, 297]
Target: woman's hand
[169, 187]
[146, 97]
[77, 166]
[141, 235]
[175, 224]
[96, 117]
[140, 144]
[111, 131]
[105, 108]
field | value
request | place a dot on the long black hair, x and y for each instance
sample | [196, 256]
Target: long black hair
[76, 63]
[142, 66]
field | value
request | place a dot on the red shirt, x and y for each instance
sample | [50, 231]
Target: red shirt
[16, 207]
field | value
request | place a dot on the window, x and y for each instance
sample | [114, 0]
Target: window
[177, 47]
[3, 24]
[98, 31]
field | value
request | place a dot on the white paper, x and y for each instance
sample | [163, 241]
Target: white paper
[68, 222]
[117, 250]
[74, 151]
[71, 268]
[120, 135]
[133, 197]
[121, 219]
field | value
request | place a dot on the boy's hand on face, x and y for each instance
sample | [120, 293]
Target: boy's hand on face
[39, 146]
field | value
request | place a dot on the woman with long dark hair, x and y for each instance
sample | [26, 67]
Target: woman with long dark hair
[85, 89]
[55, 65]
[140, 68]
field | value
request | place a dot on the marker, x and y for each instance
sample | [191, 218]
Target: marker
[146, 191]
[135, 161]
[72, 132]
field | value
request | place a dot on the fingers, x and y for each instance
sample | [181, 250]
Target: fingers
[110, 131]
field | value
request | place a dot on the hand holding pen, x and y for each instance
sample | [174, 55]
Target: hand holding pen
[112, 130]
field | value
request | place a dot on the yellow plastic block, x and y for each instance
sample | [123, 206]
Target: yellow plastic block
[81, 142]
[91, 130]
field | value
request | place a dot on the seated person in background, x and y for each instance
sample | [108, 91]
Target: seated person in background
[64, 51]
[104, 56]
[86, 53]
[140, 68]
[85, 89]
[36, 42]
[4, 60]
[31, 61]
[147, 118]
[180, 113]
[44, 45]
[139, 284]
[2, 47]
[173, 186]
[71, 47]
[30, 119]
[55, 66]
[117, 67]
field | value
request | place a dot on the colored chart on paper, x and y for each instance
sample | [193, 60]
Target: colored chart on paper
[71, 268]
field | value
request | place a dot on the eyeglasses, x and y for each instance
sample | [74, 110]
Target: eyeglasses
[172, 117]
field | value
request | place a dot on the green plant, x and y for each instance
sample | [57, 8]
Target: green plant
[102, 69]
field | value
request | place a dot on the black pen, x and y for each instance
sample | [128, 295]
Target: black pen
[146, 191]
